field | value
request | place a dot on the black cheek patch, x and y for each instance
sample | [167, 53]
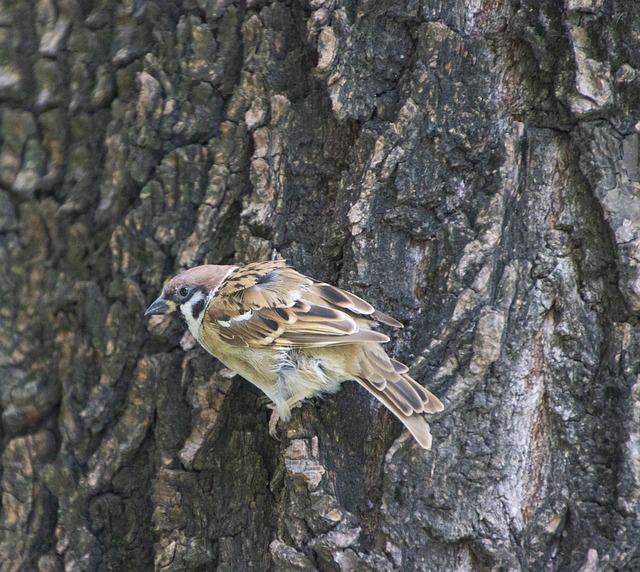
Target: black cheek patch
[197, 308]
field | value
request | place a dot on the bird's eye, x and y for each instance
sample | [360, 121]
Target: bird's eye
[183, 292]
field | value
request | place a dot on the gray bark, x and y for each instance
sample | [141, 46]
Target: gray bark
[471, 168]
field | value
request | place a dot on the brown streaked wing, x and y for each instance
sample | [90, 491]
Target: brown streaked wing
[263, 304]
[268, 327]
[254, 286]
[352, 303]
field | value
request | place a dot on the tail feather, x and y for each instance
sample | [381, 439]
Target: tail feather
[419, 428]
[405, 396]
[399, 367]
[433, 405]
[388, 381]
[414, 422]
[394, 394]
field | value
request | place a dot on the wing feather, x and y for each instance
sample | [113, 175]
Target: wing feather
[271, 304]
[352, 303]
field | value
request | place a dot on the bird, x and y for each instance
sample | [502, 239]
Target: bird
[294, 337]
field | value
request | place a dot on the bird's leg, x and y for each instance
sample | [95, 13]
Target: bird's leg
[273, 422]
[292, 403]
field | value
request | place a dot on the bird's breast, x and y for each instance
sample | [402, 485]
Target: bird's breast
[257, 365]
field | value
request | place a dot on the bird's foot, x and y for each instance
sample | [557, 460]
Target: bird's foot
[273, 422]
[275, 417]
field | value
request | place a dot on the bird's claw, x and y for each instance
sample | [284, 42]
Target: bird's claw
[275, 417]
[273, 422]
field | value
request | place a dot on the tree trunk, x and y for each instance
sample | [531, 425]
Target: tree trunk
[472, 169]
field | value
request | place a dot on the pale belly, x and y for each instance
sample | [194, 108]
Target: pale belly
[286, 376]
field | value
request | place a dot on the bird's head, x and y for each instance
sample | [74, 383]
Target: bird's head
[189, 292]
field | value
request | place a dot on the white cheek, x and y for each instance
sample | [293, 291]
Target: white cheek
[187, 312]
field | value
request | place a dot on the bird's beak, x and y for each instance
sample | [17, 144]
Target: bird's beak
[161, 306]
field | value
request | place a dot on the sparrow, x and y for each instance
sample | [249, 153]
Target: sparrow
[294, 337]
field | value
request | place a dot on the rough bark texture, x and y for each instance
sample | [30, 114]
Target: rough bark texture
[471, 168]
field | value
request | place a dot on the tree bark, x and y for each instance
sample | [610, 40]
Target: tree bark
[473, 169]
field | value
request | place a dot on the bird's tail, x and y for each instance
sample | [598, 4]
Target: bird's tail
[388, 381]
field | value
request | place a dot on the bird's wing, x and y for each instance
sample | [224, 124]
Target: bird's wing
[270, 304]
